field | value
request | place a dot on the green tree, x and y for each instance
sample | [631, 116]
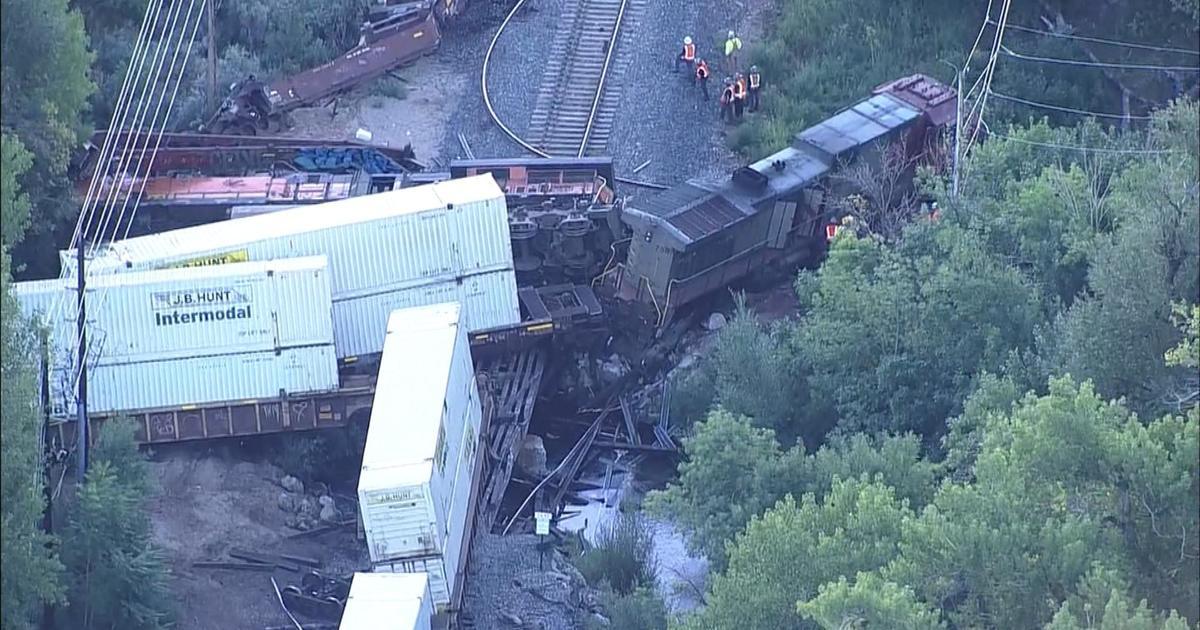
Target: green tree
[868, 602]
[44, 89]
[786, 554]
[31, 570]
[895, 336]
[733, 472]
[1101, 603]
[118, 578]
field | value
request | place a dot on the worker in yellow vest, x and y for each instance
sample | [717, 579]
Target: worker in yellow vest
[754, 85]
[733, 44]
[688, 55]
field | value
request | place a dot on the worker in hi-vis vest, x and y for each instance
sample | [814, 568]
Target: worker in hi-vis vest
[733, 44]
[687, 55]
[702, 76]
[755, 84]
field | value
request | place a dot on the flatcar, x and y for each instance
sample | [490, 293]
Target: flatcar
[699, 237]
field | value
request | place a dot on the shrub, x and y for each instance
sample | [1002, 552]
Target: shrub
[642, 609]
[621, 556]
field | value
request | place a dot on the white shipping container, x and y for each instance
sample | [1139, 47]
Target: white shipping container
[189, 313]
[426, 405]
[375, 243]
[488, 301]
[200, 380]
[431, 566]
[379, 601]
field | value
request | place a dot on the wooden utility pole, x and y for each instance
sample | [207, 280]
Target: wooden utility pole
[212, 57]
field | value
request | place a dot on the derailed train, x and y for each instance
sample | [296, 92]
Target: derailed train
[699, 237]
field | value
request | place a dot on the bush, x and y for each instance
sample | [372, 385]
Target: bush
[621, 557]
[642, 609]
[389, 87]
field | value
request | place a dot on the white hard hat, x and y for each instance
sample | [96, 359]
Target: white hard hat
[731, 34]
[687, 40]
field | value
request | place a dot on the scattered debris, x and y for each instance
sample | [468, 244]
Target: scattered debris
[532, 457]
[715, 322]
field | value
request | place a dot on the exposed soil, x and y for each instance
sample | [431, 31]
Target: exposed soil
[432, 87]
[206, 506]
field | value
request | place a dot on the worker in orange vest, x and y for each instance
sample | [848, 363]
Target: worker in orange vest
[727, 100]
[702, 76]
[754, 86]
[688, 55]
[739, 94]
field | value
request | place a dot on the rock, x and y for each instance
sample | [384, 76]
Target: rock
[318, 488]
[601, 619]
[326, 501]
[715, 322]
[292, 484]
[612, 369]
[531, 459]
[309, 508]
[288, 502]
[329, 514]
[510, 618]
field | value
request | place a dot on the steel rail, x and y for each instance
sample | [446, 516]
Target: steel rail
[487, 101]
[612, 46]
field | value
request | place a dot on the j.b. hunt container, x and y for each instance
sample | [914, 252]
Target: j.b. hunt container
[189, 336]
[399, 242]
[179, 382]
[419, 464]
[189, 313]
[388, 600]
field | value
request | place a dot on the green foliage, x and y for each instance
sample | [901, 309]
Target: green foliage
[733, 471]
[895, 335]
[758, 374]
[995, 396]
[1101, 602]
[868, 602]
[44, 88]
[30, 572]
[693, 393]
[118, 579]
[390, 88]
[642, 609]
[621, 558]
[291, 35]
[1187, 353]
[787, 553]
[14, 203]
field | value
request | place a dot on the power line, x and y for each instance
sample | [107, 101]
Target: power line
[988, 75]
[1098, 64]
[1099, 40]
[1071, 110]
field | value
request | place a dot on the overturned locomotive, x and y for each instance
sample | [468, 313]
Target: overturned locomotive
[699, 237]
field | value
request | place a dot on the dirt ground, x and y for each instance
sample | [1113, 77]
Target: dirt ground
[432, 89]
[209, 504]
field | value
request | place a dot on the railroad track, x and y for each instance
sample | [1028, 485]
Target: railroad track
[580, 90]
[576, 100]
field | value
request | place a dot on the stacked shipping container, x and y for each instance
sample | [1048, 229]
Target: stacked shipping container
[188, 336]
[447, 241]
[419, 465]
[388, 600]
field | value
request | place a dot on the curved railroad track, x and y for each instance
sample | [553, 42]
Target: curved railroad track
[575, 104]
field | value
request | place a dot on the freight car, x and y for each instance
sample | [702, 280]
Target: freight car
[699, 237]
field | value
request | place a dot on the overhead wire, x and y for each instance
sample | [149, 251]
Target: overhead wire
[1100, 40]
[988, 76]
[1098, 64]
[1070, 110]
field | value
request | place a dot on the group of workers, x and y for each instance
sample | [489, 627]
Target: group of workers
[740, 91]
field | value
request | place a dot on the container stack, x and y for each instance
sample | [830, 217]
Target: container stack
[388, 600]
[187, 336]
[420, 462]
[444, 242]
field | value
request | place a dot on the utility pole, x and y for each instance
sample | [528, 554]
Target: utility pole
[81, 434]
[47, 466]
[212, 57]
[958, 105]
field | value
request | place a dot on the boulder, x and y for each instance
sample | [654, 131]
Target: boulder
[288, 502]
[329, 514]
[531, 459]
[292, 484]
[510, 618]
[309, 508]
[715, 322]
[612, 369]
[326, 501]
